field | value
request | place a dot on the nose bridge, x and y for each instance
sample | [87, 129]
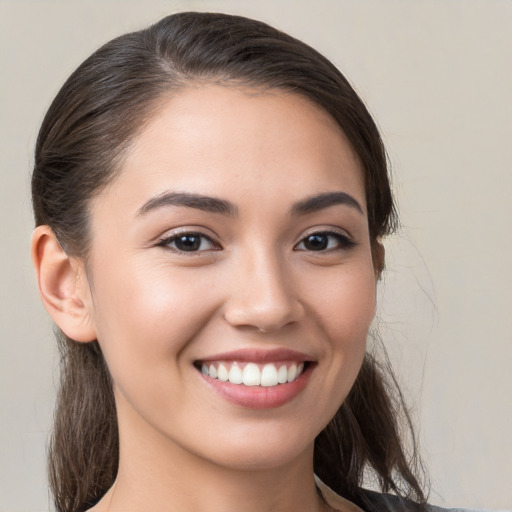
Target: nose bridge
[263, 293]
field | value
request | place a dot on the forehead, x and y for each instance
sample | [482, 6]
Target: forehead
[227, 141]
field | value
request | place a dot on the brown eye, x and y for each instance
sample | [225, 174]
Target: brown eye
[316, 242]
[188, 242]
[324, 241]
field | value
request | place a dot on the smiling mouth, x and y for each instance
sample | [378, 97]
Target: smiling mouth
[253, 374]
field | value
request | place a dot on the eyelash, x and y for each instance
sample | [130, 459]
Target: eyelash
[167, 241]
[343, 241]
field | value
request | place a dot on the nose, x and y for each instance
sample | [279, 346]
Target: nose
[263, 295]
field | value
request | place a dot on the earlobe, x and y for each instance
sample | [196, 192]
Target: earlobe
[63, 286]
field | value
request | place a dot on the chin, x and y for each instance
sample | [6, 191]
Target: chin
[262, 460]
[266, 448]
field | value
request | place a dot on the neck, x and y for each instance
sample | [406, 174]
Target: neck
[161, 476]
[212, 489]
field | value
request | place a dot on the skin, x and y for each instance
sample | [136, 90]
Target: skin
[254, 283]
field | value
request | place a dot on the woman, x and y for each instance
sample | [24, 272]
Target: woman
[210, 197]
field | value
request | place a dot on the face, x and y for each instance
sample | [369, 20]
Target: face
[231, 276]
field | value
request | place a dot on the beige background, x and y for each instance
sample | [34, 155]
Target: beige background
[437, 75]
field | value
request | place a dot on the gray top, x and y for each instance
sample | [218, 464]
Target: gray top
[378, 502]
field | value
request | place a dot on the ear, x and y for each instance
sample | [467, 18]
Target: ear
[63, 286]
[379, 257]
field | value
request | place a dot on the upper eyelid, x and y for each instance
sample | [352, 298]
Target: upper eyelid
[326, 231]
[347, 241]
[214, 239]
[165, 241]
[186, 230]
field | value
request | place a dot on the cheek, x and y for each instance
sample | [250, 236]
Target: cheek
[146, 320]
[146, 314]
[345, 302]
[341, 303]
[344, 306]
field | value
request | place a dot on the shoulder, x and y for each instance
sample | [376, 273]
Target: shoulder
[371, 501]
[379, 502]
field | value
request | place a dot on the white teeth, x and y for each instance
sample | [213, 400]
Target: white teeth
[235, 375]
[292, 372]
[282, 374]
[252, 374]
[269, 376]
[212, 371]
[222, 373]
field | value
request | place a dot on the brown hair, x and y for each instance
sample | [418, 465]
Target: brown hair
[84, 135]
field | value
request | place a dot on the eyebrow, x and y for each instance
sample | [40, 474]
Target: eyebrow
[321, 201]
[200, 202]
[223, 207]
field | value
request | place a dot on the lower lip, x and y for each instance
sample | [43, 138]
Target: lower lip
[259, 397]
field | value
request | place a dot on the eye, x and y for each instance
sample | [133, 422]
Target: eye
[188, 242]
[324, 241]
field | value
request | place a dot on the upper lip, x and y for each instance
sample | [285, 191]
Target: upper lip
[260, 356]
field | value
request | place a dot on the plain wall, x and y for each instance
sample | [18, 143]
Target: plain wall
[437, 76]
